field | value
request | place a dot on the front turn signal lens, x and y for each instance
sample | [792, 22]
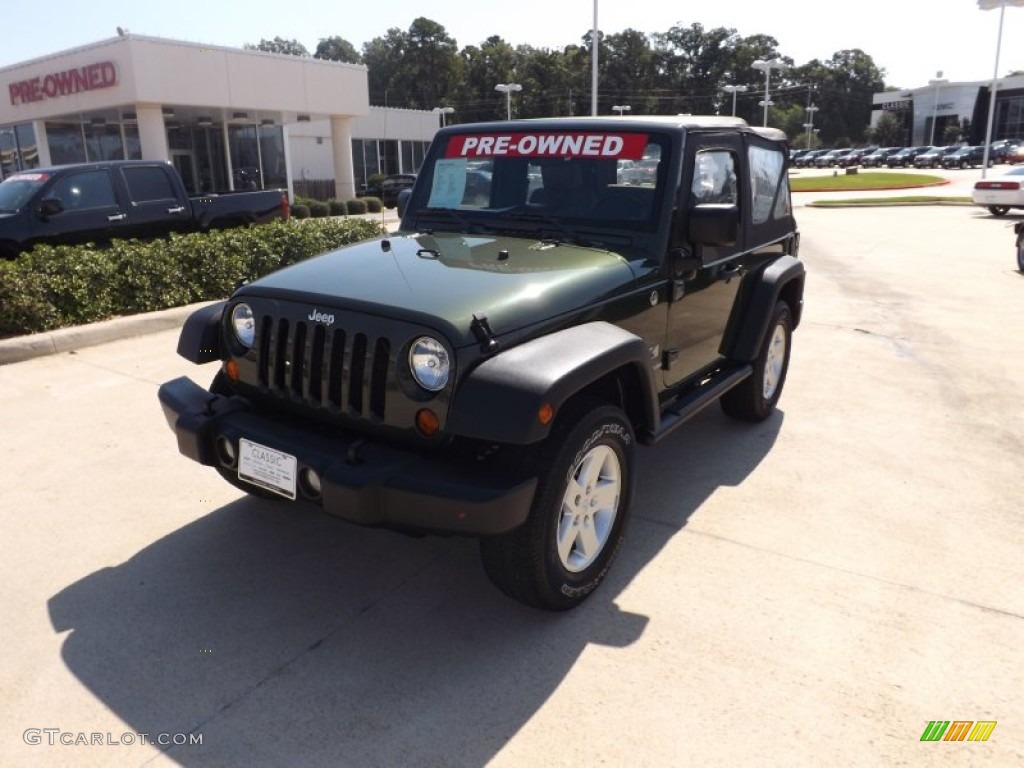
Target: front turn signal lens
[231, 370]
[427, 422]
[545, 413]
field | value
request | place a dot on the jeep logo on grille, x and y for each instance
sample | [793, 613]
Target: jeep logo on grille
[319, 317]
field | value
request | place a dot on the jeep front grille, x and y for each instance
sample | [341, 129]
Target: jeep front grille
[324, 367]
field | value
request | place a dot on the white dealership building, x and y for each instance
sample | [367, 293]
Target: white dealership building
[963, 104]
[226, 118]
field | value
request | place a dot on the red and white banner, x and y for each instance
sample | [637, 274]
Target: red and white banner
[620, 146]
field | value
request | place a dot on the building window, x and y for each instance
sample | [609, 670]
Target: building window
[103, 142]
[18, 150]
[67, 145]
[275, 171]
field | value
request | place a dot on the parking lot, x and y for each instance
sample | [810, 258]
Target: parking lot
[809, 591]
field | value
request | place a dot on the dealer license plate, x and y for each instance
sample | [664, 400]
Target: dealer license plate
[267, 468]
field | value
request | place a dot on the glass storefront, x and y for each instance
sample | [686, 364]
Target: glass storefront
[85, 142]
[370, 156]
[18, 150]
[1010, 118]
[257, 156]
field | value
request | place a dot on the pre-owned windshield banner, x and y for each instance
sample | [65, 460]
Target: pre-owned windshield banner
[589, 145]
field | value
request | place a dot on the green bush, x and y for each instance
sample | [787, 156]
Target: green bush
[356, 206]
[338, 207]
[300, 211]
[55, 286]
[319, 210]
[306, 201]
[373, 204]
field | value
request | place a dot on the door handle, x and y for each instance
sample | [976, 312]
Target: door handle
[178, 209]
[117, 217]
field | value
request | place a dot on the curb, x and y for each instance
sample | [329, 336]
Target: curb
[22, 348]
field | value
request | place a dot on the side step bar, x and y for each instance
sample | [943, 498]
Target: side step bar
[692, 403]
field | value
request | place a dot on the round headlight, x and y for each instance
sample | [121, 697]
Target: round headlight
[429, 363]
[243, 324]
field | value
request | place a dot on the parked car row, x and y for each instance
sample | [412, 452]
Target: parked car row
[951, 156]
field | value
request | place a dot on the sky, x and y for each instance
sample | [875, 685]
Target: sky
[912, 40]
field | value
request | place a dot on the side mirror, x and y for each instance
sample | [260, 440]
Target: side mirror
[714, 224]
[51, 206]
[403, 201]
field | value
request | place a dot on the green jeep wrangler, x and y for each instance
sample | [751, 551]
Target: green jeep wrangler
[558, 291]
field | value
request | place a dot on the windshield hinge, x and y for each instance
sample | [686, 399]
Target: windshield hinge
[482, 331]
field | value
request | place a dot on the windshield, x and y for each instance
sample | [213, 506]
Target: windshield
[16, 190]
[577, 179]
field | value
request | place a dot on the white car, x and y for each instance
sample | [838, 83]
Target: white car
[1001, 194]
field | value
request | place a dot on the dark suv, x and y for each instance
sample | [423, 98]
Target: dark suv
[393, 185]
[965, 157]
[489, 368]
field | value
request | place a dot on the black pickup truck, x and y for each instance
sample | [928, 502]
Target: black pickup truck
[559, 291]
[97, 202]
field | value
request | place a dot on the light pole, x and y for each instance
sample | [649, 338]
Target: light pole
[988, 5]
[809, 125]
[734, 89]
[594, 42]
[938, 82]
[768, 65]
[620, 108]
[442, 111]
[507, 89]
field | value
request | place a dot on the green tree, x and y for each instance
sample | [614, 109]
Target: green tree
[337, 49]
[279, 45]
[888, 131]
[414, 69]
[627, 63]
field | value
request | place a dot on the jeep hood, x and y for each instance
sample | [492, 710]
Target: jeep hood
[441, 280]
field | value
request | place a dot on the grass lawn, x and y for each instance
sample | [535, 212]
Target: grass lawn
[856, 181]
[905, 199]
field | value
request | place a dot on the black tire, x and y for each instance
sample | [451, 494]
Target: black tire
[999, 210]
[756, 397]
[1020, 252]
[526, 564]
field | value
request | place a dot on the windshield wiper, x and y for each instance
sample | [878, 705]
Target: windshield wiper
[568, 234]
[447, 213]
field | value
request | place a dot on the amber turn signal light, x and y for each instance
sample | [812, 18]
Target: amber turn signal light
[427, 422]
[545, 413]
[231, 369]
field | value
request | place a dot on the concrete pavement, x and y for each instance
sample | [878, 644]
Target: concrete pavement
[809, 591]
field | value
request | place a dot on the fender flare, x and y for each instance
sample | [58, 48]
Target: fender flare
[499, 400]
[199, 341]
[761, 290]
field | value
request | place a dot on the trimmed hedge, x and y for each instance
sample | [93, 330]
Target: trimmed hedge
[356, 206]
[56, 286]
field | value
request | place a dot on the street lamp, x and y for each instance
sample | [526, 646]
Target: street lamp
[768, 65]
[442, 111]
[734, 89]
[507, 89]
[809, 125]
[620, 108]
[938, 82]
[988, 5]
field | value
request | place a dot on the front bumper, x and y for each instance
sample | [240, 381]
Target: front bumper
[361, 481]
